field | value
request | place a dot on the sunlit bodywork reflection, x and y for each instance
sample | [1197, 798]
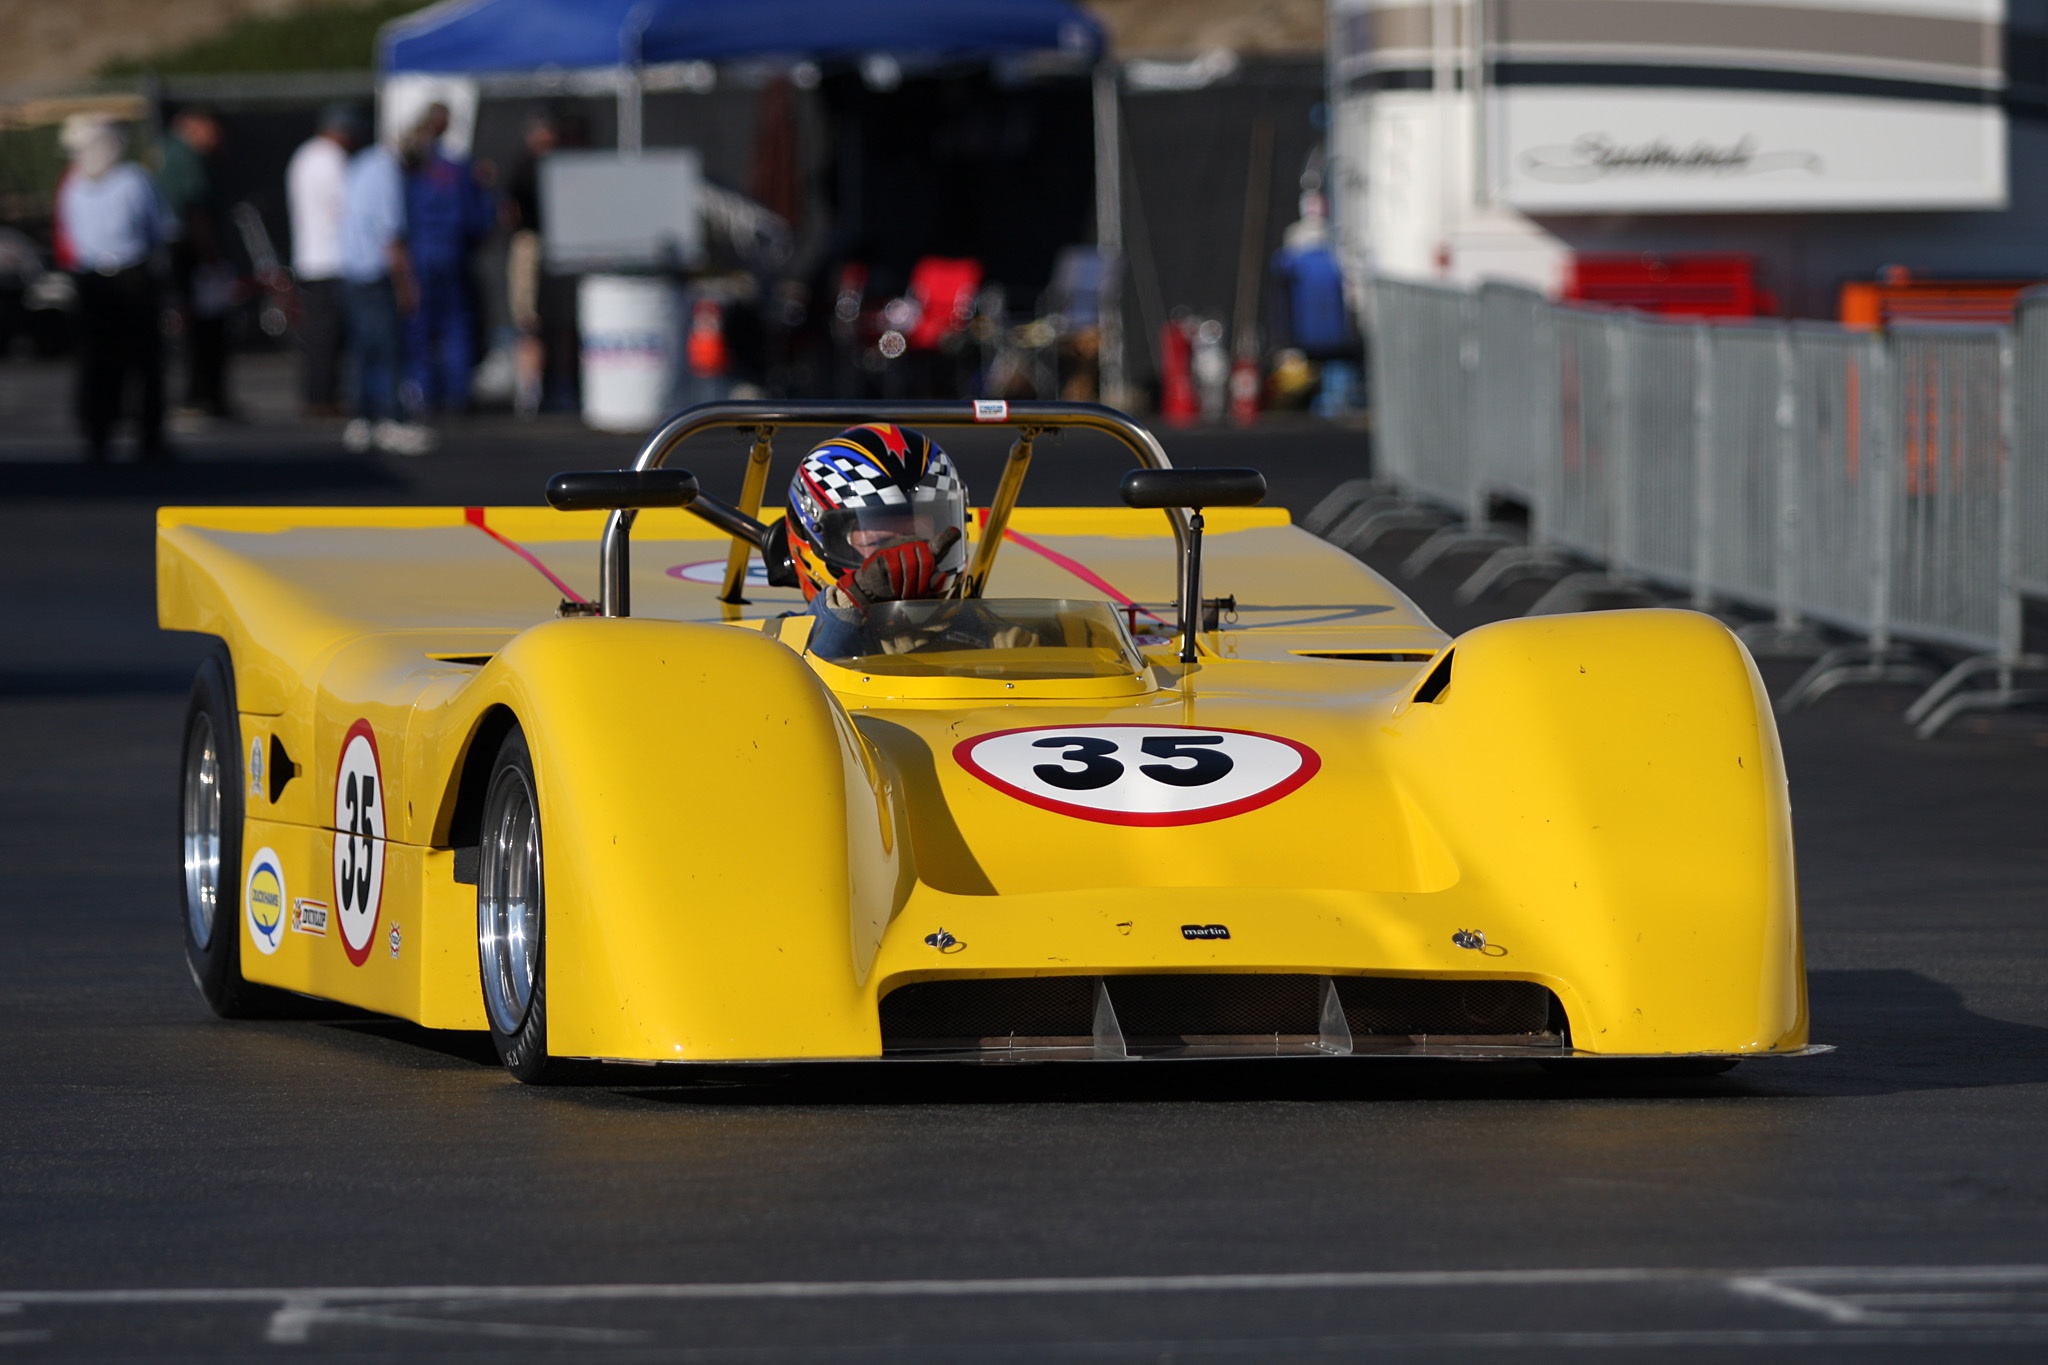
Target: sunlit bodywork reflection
[201, 830]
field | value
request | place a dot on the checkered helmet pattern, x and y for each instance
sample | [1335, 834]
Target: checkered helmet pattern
[876, 465]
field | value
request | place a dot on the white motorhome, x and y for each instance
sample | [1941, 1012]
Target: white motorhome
[1496, 138]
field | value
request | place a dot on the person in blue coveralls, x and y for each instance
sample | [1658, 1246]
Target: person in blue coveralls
[446, 214]
[1318, 319]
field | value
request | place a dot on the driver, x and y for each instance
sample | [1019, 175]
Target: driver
[876, 514]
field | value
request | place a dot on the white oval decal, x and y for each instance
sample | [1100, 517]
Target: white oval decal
[1139, 774]
[712, 571]
[263, 899]
[358, 841]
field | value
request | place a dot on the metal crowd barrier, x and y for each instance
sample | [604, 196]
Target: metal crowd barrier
[2030, 423]
[1890, 487]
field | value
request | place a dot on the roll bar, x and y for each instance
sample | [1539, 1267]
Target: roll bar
[1029, 419]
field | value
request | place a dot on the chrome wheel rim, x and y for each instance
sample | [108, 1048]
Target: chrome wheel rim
[508, 900]
[202, 831]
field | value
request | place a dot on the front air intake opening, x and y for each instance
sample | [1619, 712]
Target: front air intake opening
[1218, 1014]
[1439, 678]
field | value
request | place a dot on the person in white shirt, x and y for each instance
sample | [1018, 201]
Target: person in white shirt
[316, 186]
[117, 223]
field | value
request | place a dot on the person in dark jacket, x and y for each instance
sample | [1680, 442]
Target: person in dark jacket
[200, 272]
[446, 214]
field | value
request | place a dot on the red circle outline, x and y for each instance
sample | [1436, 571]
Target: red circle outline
[1311, 764]
[361, 727]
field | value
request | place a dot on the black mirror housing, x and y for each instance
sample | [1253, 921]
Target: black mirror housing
[615, 489]
[1194, 488]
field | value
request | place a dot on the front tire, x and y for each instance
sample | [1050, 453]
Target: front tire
[210, 790]
[511, 915]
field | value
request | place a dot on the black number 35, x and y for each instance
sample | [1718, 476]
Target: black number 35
[1097, 769]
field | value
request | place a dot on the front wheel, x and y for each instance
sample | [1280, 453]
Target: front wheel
[210, 840]
[511, 915]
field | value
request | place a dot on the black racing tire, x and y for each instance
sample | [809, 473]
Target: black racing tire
[210, 790]
[511, 916]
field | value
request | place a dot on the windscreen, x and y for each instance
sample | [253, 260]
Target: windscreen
[1001, 637]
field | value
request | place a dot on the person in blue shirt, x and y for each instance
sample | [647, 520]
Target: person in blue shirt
[447, 213]
[377, 279]
[117, 224]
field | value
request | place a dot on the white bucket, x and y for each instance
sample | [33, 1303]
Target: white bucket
[632, 349]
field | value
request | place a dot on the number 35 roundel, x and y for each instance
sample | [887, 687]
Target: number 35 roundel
[1139, 774]
[358, 841]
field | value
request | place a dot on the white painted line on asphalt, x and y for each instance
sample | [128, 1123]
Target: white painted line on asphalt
[294, 1322]
[1977, 1304]
[865, 1289]
[1776, 1291]
[1782, 1285]
[1861, 1305]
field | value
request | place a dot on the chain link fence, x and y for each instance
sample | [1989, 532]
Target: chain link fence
[1892, 488]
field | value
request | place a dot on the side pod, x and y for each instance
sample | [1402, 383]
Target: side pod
[1612, 787]
[720, 855]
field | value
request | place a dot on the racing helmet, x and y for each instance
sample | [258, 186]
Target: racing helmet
[866, 489]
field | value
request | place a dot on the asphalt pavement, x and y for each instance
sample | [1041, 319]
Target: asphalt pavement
[174, 1187]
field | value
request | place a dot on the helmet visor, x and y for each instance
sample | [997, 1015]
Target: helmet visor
[850, 534]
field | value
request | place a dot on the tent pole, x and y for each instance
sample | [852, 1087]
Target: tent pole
[629, 111]
[1109, 233]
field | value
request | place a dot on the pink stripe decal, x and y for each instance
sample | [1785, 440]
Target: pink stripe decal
[1080, 571]
[475, 517]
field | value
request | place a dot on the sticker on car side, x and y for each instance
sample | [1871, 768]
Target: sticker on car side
[358, 841]
[1124, 774]
[309, 917]
[263, 900]
[712, 571]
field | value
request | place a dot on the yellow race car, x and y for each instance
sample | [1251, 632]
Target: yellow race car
[1173, 779]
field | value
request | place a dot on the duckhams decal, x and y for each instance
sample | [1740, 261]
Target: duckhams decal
[358, 841]
[263, 901]
[1139, 774]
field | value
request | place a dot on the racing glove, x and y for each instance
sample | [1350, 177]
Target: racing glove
[900, 573]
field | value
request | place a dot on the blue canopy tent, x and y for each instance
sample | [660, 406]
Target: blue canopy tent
[498, 38]
[491, 36]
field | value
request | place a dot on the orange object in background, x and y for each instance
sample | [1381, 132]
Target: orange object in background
[1178, 403]
[1895, 296]
[706, 346]
[943, 288]
[1700, 284]
[1244, 392]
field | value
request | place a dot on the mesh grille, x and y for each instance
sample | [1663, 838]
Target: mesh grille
[1026, 1006]
[1209, 1006]
[964, 1013]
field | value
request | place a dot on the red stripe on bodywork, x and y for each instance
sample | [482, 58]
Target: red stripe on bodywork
[475, 517]
[1077, 569]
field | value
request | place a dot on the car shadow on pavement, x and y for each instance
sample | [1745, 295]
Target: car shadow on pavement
[1894, 1031]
